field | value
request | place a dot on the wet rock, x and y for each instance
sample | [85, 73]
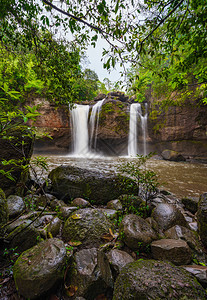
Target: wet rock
[38, 269]
[86, 225]
[202, 218]
[90, 273]
[200, 272]
[150, 279]
[191, 204]
[73, 182]
[4, 215]
[115, 204]
[80, 203]
[15, 205]
[118, 259]
[135, 230]
[172, 155]
[168, 215]
[175, 251]
[183, 233]
[23, 237]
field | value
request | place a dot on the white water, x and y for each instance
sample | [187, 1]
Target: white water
[93, 123]
[80, 129]
[135, 117]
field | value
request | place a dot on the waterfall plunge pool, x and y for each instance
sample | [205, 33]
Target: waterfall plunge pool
[183, 179]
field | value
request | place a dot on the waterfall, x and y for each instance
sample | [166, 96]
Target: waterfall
[94, 119]
[80, 129]
[135, 116]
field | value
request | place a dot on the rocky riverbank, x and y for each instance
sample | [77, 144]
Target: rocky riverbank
[120, 247]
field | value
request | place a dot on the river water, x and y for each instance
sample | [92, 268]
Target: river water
[183, 179]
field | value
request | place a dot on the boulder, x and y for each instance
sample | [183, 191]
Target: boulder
[18, 146]
[4, 215]
[86, 225]
[150, 279]
[175, 251]
[80, 203]
[109, 213]
[38, 269]
[200, 272]
[118, 259]
[15, 205]
[135, 231]
[73, 182]
[172, 155]
[202, 218]
[168, 215]
[115, 204]
[190, 204]
[89, 274]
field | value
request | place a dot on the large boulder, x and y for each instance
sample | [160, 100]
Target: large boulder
[172, 155]
[18, 147]
[89, 274]
[38, 269]
[202, 218]
[87, 226]
[118, 259]
[15, 205]
[150, 279]
[135, 231]
[72, 182]
[168, 215]
[176, 251]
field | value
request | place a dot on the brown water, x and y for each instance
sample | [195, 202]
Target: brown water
[180, 178]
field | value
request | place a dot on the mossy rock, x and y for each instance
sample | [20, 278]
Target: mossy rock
[4, 215]
[151, 279]
[202, 218]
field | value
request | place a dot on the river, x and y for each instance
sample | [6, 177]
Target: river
[183, 179]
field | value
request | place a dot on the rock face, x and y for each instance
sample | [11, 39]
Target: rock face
[176, 251]
[167, 215]
[73, 182]
[39, 268]
[150, 279]
[135, 230]
[202, 218]
[90, 274]
[87, 226]
[12, 149]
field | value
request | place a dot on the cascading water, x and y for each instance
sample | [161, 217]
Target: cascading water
[93, 123]
[80, 129]
[135, 116]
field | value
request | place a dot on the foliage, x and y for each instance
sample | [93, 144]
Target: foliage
[146, 181]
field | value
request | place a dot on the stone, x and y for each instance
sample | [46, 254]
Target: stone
[56, 203]
[168, 215]
[23, 237]
[80, 203]
[4, 215]
[86, 225]
[90, 273]
[151, 279]
[135, 230]
[115, 204]
[200, 272]
[175, 251]
[172, 155]
[66, 211]
[190, 204]
[39, 269]
[54, 226]
[202, 218]
[15, 205]
[118, 259]
[73, 182]
[183, 233]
